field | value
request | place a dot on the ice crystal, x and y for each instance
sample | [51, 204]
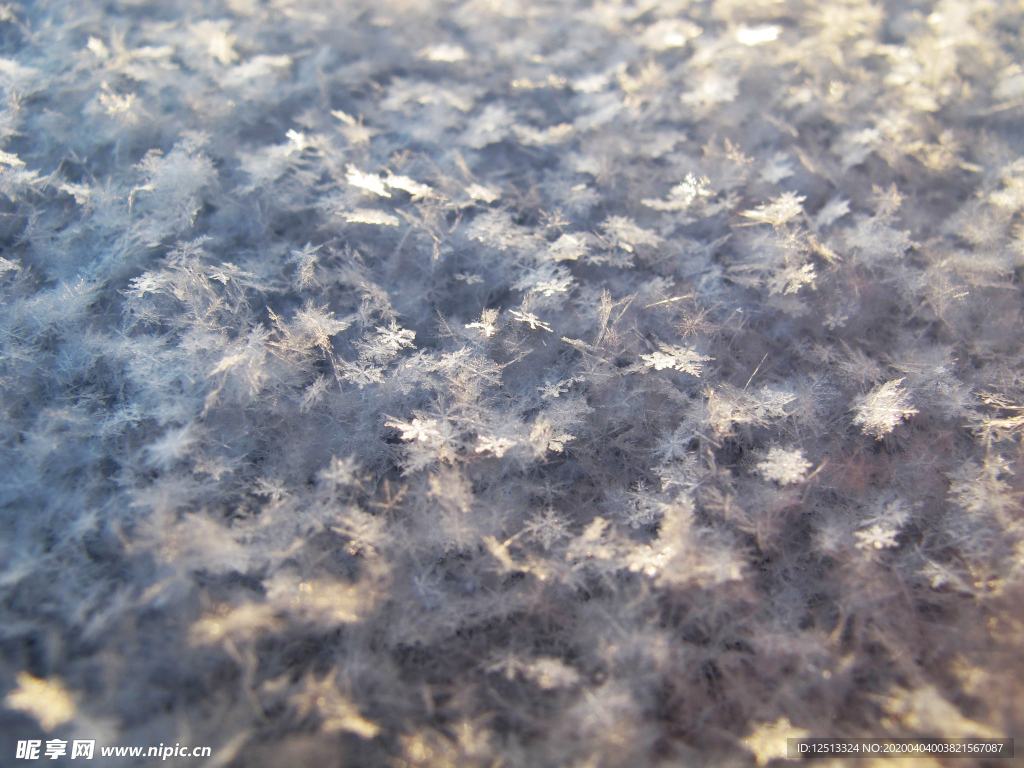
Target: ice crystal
[368, 216]
[780, 211]
[369, 182]
[676, 358]
[876, 537]
[883, 408]
[784, 467]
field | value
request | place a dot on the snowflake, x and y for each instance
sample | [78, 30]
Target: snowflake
[547, 528]
[686, 473]
[274, 490]
[877, 242]
[482, 193]
[777, 168]
[557, 442]
[940, 574]
[626, 234]
[879, 411]
[676, 358]
[495, 445]
[307, 260]
[12, 160]
[983, 489]
[547, 280]
[782, 210]
[371, 182]
[219, 44]
[395, 337]
[423, 430]
[556, 388]
[877, 537]
[832, 211]
[893, 514]
[354, 130]
[791, 279]
[659, 361]
[551, 287]
[173, 446]
[297, 142]
[548, 672]
[361, 373]
[784, 467]
[641, 507]
[341, 472]
[416, 189]
[567, 248]
[530, 318]
[116, 104]
[682, 196]
[495, 228]
[486, 322]
[544, 438]
[148, 282]
[369, 216]
[227, 272]
[316, 325]
[773, 402]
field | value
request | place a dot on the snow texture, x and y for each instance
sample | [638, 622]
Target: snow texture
[569, 383]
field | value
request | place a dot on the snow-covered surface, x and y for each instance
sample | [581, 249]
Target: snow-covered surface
[514, 383]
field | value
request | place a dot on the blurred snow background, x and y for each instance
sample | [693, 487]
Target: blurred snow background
[510, 383]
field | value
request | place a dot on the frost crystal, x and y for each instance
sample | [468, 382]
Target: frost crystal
[784, 467]
[485, 324]
[567, 248]
[625, 233]
[683, 195]
[482, 193]
[424, 430]
[676, 358]
[370, 182]
[494, 445]
[530, 319]
[883, 408]
[341, 472]
[417, 190]
[780, 211]
[876, 537]
[547, 528]
[368, 216]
